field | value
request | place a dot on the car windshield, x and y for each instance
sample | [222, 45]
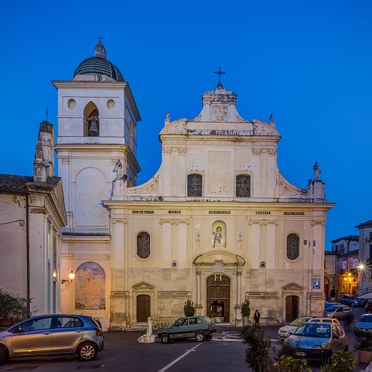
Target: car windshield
[297, 322]
[314, 330]
[366, 318]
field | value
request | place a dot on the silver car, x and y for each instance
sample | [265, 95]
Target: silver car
[339, 312]
[316, 341]
[53, 334]
[288, 329]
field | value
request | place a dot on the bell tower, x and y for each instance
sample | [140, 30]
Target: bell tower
[97, 120]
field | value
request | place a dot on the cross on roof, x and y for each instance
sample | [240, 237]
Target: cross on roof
[219, 73]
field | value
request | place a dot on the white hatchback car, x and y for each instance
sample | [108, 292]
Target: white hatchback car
[288, 329]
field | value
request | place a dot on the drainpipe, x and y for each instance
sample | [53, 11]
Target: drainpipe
[28, 298]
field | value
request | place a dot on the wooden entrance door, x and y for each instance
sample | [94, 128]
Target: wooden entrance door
[143, 308]
[218, 297]
[291, 308]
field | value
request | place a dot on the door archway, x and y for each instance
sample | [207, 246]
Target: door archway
[218, 297]
[291, 308]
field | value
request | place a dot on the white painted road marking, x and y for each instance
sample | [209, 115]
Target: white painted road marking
[178, 359]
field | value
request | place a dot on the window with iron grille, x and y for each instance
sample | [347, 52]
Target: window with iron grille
[143, 245]
[194, 185]
[293, 246]
[243, 186]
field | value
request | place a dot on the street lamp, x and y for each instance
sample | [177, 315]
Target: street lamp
[362, 283]
[71, 277]
[362, 268]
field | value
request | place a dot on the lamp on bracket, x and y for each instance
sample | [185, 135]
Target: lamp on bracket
[71, 277]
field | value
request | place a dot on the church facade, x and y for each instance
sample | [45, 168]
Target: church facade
[217, 224]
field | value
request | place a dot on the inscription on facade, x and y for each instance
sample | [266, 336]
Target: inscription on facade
[220, 132]
[263, 212]
[219, 212]
[174, 212]
[143, 212]
[294, 213]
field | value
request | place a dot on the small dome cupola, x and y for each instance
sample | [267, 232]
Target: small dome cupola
[98, 67]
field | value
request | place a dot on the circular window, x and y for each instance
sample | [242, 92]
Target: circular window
[71, 104]
[110, 104]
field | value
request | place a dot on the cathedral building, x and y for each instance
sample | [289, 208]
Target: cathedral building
[217, 224]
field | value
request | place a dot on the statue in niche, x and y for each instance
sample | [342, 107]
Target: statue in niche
[218, 238]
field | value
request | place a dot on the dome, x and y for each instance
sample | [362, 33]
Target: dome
[99, 64]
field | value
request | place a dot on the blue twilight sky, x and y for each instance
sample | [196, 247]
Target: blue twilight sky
[309, 63]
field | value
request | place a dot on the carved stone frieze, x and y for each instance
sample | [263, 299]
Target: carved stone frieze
[175, 127]
[152, 186]
[260, 128]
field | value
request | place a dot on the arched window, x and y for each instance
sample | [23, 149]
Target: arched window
[195, 185]
[293, 246]
[143, 245]
[243, 186]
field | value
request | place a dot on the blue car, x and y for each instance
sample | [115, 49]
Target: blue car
[350, 300]
[364, 326]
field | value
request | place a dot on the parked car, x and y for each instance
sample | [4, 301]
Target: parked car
[350, 300]
[324, 320]
[199, 327]
[339, 312]
[288, 329]
[368, 305]
[328, 304]
[364, 326]
[54, 334]
[316, 341]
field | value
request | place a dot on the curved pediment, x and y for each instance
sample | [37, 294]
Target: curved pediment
[219, 256]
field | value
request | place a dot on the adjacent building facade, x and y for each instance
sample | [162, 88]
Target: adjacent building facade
[365, 258]
[341, 266]
[217, 224]
[31, 218]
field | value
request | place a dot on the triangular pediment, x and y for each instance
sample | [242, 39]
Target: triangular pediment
[143, 285]
[292, 287]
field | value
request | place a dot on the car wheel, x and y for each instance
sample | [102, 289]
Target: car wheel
[87, 351]
[3, 355]
[200, 337]
[165, 339]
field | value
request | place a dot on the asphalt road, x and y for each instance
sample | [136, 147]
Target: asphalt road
[225, 353]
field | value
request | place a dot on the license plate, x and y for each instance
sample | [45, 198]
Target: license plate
[300, 353]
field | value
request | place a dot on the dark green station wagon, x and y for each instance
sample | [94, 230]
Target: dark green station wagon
[199, 327]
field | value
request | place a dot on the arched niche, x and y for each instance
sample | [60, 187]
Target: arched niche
[90, 280]
[91, 120]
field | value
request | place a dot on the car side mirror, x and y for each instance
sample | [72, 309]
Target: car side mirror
[18, 330]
